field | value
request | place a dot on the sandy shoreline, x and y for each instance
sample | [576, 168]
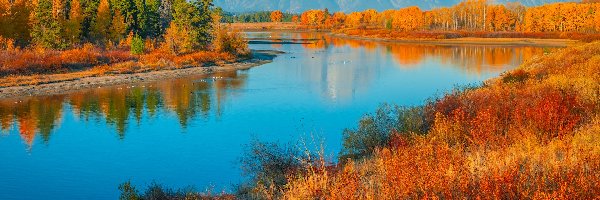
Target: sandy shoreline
[63, 87]
[472, 41]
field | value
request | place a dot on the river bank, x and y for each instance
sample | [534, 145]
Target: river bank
[67, 85]
[471, 41]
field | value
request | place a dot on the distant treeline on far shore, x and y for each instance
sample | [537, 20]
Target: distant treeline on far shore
[468, 15]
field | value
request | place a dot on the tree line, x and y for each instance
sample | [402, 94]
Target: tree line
[468, 15]
[254, 17]
[61, 24]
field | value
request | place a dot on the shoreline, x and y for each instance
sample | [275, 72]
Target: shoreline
[470, 41]
[259, 57]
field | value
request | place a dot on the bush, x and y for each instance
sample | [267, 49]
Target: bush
[158, 192]
[137, 45]
[268, 164]
[230, 42]
[375, 130]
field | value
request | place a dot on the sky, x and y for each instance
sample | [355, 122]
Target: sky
[298, 6]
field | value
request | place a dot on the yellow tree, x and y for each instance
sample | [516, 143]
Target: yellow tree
[100, 28]
[4, 8]
[72, 31]
[354, 19]
[176, 39]
[336, 20]
[119, 27]
[408, 19]
[14, 19]
[370, 16]
[276, 16]
[597, 17]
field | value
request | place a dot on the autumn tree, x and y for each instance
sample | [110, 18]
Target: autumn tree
[276, 16]
[118, 27]
[45, 28]
[191, 27]
[314, 17]
[73, 26]
[100, 28]
[15, 20]
[408, 19]
[369, 16]
[354, 19]
[336, 20]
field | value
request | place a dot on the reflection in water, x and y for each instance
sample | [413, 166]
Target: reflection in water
[475, 59]
[186, 98]
[339, 69]
[191, 131]
[39, 115]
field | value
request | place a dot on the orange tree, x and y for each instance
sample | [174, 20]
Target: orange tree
[276, 16]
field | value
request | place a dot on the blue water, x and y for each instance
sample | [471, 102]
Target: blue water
[192, 131]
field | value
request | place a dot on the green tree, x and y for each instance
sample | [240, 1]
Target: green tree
[73, 26]
[102, 22]
[140, 21]
[45, 29]
[191, 28]
[153, 21]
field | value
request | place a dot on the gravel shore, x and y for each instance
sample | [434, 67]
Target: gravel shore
[260, 57]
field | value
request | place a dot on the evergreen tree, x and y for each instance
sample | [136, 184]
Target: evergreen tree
[100, 27]
[73, 26]
[45, 28]
[119, 28]
[202, 22]
[140, 21]
[165, 14]
[153, 21]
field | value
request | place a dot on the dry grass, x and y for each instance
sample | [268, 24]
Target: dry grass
[533, 133]
[441, 35]
[38, 66]
[268, 26]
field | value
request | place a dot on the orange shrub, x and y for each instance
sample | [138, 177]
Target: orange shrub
[530, 134]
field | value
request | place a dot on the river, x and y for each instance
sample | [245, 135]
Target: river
[192, 131]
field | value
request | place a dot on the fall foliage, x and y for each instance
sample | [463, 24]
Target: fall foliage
[276, 16]
[80, 38]
[531, 133]
[481, 16]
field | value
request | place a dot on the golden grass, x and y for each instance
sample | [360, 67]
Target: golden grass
[38, 66]
[533, 133]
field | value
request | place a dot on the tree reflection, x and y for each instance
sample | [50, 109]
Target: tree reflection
[35, 116]
[119, 106]
[337, 75]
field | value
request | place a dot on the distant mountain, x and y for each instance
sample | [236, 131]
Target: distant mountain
[297, 6]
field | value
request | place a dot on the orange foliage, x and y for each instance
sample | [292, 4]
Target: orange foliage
[469, 18]
[530, 134]
[35, 61]
[276, 16]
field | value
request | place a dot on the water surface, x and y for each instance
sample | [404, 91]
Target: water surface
[191, 131]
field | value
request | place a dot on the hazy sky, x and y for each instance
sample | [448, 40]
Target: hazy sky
[344, 5]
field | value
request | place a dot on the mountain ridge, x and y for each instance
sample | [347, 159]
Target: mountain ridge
[298, 6]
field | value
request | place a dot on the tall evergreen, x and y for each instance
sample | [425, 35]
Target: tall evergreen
[100, 29]
[73, 26]
[153, 21]
[45, 28]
